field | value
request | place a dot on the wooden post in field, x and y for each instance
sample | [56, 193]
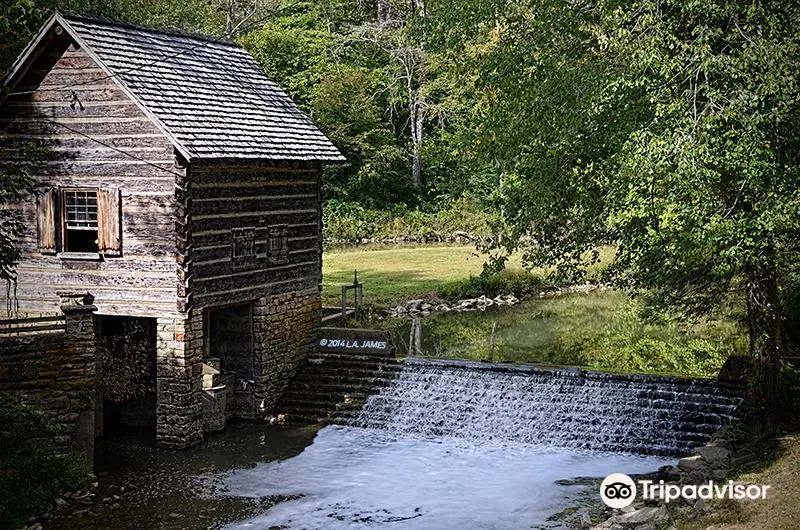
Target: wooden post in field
[415, 337]
[491, 342]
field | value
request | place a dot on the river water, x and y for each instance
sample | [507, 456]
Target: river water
[261, 476]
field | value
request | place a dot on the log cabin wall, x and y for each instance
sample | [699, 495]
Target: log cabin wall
[66, 86]
[256, 238]
[237, 212]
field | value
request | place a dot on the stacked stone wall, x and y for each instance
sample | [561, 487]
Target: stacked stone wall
[284, 328]
[55, 371]
[179, 379]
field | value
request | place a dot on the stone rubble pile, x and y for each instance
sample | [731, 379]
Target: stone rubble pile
[457, 237]
[423, 308]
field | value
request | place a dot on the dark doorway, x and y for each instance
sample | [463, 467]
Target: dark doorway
[127, 373]
[230, 332]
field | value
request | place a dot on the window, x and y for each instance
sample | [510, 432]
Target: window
[80, 221]
[75, 221]
[278, 245]
[243, 248]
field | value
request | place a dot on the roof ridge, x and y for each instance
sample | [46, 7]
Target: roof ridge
[177, 32]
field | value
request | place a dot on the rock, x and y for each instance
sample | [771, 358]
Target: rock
[60, 502]
[714, 455]
[106, 500]
[690, 463]
[734, 370]
[696, 476]
[719, 475]
[702, 505]
[643, 515]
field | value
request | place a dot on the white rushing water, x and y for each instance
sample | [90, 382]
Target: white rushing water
[368, 478]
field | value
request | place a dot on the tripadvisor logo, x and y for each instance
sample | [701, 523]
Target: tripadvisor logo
[619, 491]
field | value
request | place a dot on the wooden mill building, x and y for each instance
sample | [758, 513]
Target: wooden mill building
[181, 187]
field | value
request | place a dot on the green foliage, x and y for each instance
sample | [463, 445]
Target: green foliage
[31, 473]
[351, 222]
[15, 183]
[520, 283]
[790, 303]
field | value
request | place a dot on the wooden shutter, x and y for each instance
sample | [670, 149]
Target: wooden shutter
[109, 222]
[262, 244]
[46, 210]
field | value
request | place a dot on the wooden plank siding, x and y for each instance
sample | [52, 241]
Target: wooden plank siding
[142, 281]
[226, 196]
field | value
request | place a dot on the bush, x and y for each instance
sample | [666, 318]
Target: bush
[522, 284]
[630, 353]
[32, 474]
[350, 222]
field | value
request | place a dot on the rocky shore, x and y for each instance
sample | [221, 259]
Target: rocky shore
[712, 462]
[84, 503]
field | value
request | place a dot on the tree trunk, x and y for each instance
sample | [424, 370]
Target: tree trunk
[229, 20]
[417, 111]
[384, 12]
[767, 344]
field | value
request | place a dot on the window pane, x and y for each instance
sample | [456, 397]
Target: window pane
[80, 209]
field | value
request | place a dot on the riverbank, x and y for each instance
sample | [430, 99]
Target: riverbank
[738, 456]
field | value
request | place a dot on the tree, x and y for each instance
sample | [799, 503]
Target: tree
[665, 127]
[15, 183]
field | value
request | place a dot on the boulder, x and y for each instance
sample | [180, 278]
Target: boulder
[734, 370]
[690, 463]
[713, 454]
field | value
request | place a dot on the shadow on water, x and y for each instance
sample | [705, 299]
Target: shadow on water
[173, 490]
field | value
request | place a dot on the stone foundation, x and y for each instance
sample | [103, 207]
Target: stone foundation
[55, 371]
[179, 372]
[283, 337]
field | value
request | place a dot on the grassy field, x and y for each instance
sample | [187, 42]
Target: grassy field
[396, 274]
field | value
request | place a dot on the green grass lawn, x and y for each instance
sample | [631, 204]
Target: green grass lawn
[392, 275]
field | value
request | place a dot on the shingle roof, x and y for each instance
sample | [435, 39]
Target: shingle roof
[210, 96]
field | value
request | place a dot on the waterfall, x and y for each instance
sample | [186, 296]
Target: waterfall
[640, 414]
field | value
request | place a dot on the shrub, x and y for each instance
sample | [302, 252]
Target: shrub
[351, 222]
[32, 473]
[520, 283]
